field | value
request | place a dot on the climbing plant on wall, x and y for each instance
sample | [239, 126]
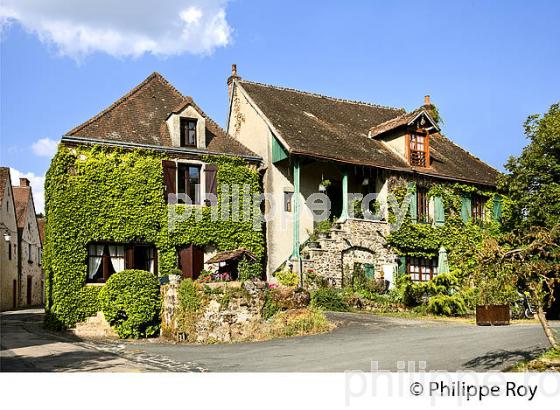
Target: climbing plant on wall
[96, 194]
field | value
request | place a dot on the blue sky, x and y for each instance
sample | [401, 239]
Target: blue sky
[487, 65]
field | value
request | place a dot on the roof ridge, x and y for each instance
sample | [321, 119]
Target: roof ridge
[124, 98]
[323, 96]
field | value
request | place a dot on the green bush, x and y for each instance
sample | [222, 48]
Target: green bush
[287, 278]
[188, 295]
[249, 270]
[270, 307]
[412, 294]
[447, 305]
[131, 303]
[330, 299]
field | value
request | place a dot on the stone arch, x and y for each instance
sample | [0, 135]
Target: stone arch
[352, 255]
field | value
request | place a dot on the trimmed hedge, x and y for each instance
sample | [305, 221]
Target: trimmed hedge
[131, 303]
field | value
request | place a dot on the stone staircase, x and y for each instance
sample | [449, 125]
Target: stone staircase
[94, 327]
[348, 242]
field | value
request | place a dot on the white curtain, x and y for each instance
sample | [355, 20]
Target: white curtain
[94, 260]
[117, 257]
[151, 260]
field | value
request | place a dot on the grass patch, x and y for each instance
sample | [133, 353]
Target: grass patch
[549, 361]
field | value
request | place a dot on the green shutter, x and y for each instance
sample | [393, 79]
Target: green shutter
[369, 270]
[413, 202]
[497, 208]
[278, 151]
[466, 209]
[402, 265]
[439, 213]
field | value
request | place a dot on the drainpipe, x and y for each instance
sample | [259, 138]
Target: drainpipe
[344, 213]
[295, 226]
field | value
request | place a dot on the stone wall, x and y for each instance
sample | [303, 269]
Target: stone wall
[349, 242]
[230, 314]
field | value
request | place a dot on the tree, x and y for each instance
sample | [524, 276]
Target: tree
[534, 258]
[533, 181]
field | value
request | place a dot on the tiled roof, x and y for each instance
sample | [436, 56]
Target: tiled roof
[334, 129]
[21, 202]
[4, 177]
[231, 255]
[139, 117]
[41, 226]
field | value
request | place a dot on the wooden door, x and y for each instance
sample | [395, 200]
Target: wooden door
[191, 261]
[29, 290]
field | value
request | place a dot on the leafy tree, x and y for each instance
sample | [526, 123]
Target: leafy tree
[534, 258]
[533, 181]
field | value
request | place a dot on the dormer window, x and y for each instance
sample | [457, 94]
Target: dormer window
[419, 149]
[188, 132]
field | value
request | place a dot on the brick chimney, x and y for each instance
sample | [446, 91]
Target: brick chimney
[231, 79]
[23, 182]
[427, 100]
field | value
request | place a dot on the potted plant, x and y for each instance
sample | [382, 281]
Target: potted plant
[174, 276]
[323, 228]
[325, 183]
[496, 291]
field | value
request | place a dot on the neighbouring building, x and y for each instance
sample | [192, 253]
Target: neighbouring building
[21, 271]
[8, 244]
[30, 272]
[314, 143]
[108, 188]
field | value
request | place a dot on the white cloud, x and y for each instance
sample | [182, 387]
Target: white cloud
[45, 147]
[124, 28]
[37, 186]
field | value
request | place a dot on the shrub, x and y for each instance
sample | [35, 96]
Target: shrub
[131, 303]
[188, 295]
[330, 299]
[287, 278]
[447, 305]
[411, 293]
[270, 307]
[249, 270]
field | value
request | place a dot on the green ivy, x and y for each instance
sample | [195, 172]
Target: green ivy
[108, 194]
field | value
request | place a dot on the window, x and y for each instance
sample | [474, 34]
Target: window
[421, 269]
[10, 251]
[417, 150]
[104, 259]
[422, 205]
[29, 254]
[477, 210]
[288, 201]
[189, 182]
[188, 132]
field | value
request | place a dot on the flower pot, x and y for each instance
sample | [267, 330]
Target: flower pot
[174, 279]
[492, 315]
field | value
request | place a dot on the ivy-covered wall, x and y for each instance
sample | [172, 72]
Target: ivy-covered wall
[98, 194]
[459, 235]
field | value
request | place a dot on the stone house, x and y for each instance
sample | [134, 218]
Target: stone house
[155, 117]
[8, 244]
[20, 259]
[312, 143]
[30, 271]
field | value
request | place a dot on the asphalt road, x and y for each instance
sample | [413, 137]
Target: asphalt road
[393, 344]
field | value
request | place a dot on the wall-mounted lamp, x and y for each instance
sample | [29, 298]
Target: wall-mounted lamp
[7, 237]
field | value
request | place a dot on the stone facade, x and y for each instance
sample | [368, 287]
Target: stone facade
[8, 248]
[350, 242]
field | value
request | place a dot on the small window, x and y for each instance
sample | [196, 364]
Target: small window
[422, 205]
[29, 253]
[188, 132]
[421, 269]
[478, 203]
[189, 182]
[417, 150]
[288, 196]
[10, 251]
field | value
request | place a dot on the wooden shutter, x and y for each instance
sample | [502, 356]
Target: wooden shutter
[439, 213]
[198, 260]
[210, 174]
[497, 208]
[466, 208]
[402, 265]
[129, 257]
[413, 202]
[169, 177]
[191, 261]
